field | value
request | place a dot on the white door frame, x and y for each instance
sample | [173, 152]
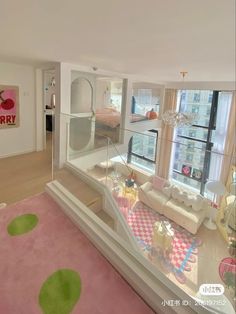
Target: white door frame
[40, 108]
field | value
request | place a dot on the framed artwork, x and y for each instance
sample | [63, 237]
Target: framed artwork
[9, 106]
[186, 170]
[197, 174]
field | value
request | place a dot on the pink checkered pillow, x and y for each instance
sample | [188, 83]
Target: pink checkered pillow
[158, 183]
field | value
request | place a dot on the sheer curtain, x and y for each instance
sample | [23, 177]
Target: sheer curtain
[167, 135]
[230, 142]
[220, 156]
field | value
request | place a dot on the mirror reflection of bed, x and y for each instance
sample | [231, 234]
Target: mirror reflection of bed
[108, 105]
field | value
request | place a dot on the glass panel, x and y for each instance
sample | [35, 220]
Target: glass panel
[143, 164]
[186, 259]
[81, 95]
[81, 134]
[145, 100]
[197, 101]
[223, 110]
[108, 107]
[193, 132]
[187, 181]
[144, 145]
[116, 94]
[188, 162]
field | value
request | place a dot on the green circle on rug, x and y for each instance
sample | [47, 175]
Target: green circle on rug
[22, 224]
[60, 292]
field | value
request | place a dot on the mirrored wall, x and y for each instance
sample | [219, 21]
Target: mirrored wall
[95, 109]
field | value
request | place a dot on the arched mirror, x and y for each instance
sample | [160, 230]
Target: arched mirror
[81, 95]
[80, 134]
[81, 125]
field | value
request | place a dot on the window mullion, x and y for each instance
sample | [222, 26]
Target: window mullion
[207, 159]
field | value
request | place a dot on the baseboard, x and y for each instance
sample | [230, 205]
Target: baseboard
[152, 285]
[18, 153]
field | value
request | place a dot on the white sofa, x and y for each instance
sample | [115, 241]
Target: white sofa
[184, 208]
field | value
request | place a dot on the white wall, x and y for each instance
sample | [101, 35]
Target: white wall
[47, 88]
[222, 86]
[19, 140]
[81, 96]
[103, 94]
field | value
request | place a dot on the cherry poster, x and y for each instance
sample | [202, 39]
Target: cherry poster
[9, 106]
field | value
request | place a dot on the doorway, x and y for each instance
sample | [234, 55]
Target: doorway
[49, 89]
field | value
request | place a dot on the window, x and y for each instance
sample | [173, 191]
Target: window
[145, 98]
[142, 150]
[189, 157]
[192, 133]
[210, 98]
[183, 96]
[208, 111]
[116, 95]
[190, 147]
[176, 155]
[196, 97]
[196, 143]
[195, 109]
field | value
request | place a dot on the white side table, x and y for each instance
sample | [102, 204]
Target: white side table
[209, 223]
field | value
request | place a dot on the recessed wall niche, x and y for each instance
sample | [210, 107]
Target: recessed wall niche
[145, 101]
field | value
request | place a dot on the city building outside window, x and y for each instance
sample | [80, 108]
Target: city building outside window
[144, 100]
[196, 97]
[142, 150]
[197, 145]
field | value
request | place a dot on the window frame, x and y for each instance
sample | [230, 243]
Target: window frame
[131, 153]
[208, 148]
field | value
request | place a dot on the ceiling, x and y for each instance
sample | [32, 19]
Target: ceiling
[152, 38]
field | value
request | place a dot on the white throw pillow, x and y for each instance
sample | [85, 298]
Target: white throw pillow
[167, 184]
[187, 199]
[197, 203]
[180, 197]
[175, 192]
[167, 190]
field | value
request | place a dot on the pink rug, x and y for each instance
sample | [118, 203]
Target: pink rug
[184, 245]
[26, 261]
[227, 265]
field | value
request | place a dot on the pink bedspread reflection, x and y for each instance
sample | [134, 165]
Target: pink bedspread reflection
[109, 117]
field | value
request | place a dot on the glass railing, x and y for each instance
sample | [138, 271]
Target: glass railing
[169, 234]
